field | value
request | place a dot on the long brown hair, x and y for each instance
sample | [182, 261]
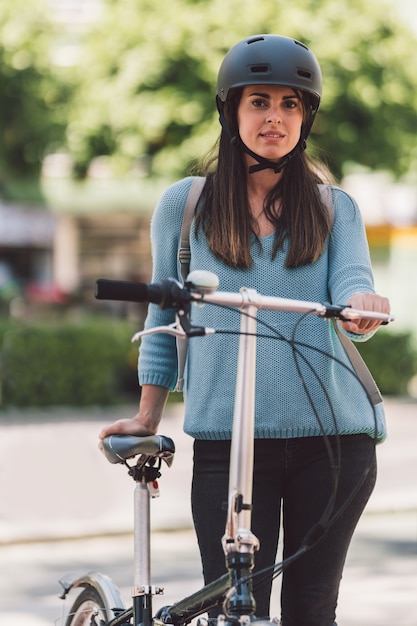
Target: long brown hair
[224, 214]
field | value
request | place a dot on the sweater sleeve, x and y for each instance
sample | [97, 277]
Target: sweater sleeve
[158, 355]
[350, 269]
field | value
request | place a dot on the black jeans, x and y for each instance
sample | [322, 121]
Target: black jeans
[292, 478]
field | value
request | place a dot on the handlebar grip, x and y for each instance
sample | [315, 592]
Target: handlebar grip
[121, 290]
[169, 293]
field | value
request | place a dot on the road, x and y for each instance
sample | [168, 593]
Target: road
[63, 509]
[379, 586]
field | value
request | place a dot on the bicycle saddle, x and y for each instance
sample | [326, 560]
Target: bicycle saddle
[118, 448]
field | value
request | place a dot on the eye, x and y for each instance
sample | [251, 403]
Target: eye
[291, 103]
[259, 103]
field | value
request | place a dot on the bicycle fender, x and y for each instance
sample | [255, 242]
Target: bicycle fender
[103, 585]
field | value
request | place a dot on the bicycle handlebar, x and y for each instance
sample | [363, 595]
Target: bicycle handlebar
[171, 294]
[167, 294]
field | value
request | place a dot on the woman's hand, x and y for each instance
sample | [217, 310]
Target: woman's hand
[146, 420]
[128, 426]
[365, 302]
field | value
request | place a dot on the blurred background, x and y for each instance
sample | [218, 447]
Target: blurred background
[104, 103]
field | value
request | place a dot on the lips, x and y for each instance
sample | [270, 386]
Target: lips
[272, 135]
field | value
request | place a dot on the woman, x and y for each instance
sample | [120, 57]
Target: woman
[261, 223]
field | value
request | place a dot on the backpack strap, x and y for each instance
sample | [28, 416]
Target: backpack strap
[360, 367]
[352, 352]
[184, 253]
[326, 198]
[184, 256]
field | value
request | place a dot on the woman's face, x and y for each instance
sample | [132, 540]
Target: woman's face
[269, 119]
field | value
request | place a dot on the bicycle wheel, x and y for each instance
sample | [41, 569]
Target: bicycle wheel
[88, 609]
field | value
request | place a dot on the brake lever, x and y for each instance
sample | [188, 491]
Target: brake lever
[174, 329]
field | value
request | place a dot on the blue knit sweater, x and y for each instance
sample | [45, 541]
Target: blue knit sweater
[282, 406]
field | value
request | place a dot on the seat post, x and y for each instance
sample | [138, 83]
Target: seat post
[143, 590]
[141, 535]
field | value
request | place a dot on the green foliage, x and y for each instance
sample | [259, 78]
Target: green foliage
[150, 85]
[33, 95]
[66, 364]
[94, 363]
[392, 359]
[142, 90]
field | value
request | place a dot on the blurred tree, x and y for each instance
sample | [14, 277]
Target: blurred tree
[33, 97]
[146, 94]
[145, 81]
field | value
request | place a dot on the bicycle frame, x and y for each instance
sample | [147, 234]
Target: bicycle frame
[239, 543]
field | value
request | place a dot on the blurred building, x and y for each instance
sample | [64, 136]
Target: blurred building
[98, 228]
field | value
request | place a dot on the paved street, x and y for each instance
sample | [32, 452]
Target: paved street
[64, 508]
[379, 586]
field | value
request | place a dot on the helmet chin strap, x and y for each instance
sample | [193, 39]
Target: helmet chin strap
[262, 162]
[266, 164]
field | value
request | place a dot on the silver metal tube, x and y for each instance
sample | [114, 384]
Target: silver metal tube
[264, 302]
[272, 303]
[241, 457]
[142, 559]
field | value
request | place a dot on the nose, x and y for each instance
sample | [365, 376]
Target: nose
[273, 117]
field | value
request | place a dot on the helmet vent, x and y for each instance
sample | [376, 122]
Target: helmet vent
[255, 39]
[299, 43]
[304, 74]
[260, 69]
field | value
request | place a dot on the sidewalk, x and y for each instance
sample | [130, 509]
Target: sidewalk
[54, 483]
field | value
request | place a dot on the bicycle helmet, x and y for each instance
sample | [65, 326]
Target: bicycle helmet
[273, 60]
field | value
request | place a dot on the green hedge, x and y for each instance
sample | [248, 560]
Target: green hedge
[392, 359]
[67, 364]
[94, 363]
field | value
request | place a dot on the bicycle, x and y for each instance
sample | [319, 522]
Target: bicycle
[99, 603]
